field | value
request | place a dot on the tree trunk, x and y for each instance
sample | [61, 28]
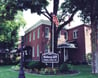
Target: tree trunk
[94, 39]
[94, 48]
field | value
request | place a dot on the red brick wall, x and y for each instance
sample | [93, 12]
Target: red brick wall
[79, 54]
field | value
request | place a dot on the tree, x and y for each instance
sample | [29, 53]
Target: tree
[9, 31]
[89, 14]
[10, 21]
[39, 7]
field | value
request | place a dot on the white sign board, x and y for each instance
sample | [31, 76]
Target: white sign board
[50, 58]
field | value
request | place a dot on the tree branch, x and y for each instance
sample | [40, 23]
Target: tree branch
[68, 21]
[46, 16]
[47, 11]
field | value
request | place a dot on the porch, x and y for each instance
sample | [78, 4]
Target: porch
[64, 50]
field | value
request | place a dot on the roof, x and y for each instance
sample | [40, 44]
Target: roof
[67, 45]
[46, 22]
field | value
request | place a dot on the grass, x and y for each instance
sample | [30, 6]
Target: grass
[85, 72]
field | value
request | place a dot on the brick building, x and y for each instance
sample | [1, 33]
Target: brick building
[38, 38]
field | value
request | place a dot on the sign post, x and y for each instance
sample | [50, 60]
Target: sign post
[54, 21]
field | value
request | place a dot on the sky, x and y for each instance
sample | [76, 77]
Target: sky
[32, 19]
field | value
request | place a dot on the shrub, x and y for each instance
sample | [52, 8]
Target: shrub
[35, 64]
[48, 71]
[89, 58]
[16, 67]
[70, 67]
[64, 68]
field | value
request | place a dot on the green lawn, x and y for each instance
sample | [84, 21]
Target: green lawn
[85, 72]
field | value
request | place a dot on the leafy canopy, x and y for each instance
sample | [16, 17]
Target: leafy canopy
[88, 8]
[10, 21]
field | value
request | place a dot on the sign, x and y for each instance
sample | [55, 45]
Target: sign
[50, 58]
[55, 19]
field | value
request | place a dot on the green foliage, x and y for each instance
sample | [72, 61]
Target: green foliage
[89, 58]
[70, 66]
[86, 8]
[10, 21]
[85, 72]
[64, 68]
[8, 9]
[48, 71]
[36, 6]
[16, 67]
[35, 64]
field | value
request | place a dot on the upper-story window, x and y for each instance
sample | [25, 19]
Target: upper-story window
[34, 35]
[59, 34]
[46, 32]
[38, 33]
[37, 50]
[66, 35]
[30, 37]
[75, 34]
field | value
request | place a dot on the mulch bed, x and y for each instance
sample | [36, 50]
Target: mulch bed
[57, 73]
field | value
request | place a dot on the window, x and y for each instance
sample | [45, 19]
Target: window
[34, 35]
[59, 34]
[75, 34]
[66, 35]
[37, 50]
[46, 32]
[30, 37]
[38, 33]
[33, 52]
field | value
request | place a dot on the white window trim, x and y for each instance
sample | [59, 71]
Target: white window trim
[37, 50]
[30, 37]
[47, 36]
[33, 35]
[38, 33]
[75, 34]
[66, 35]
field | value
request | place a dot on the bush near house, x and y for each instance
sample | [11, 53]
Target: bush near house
[89, 58]
[35, 65]
[63, 68]
[41, 68]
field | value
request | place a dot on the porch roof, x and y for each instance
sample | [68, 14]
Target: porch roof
[67, 45]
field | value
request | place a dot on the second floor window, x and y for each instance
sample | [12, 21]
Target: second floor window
[46, 32]
[66, 35]
[75, 34]
[34, 35]
[38, 33]
[30, 37]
